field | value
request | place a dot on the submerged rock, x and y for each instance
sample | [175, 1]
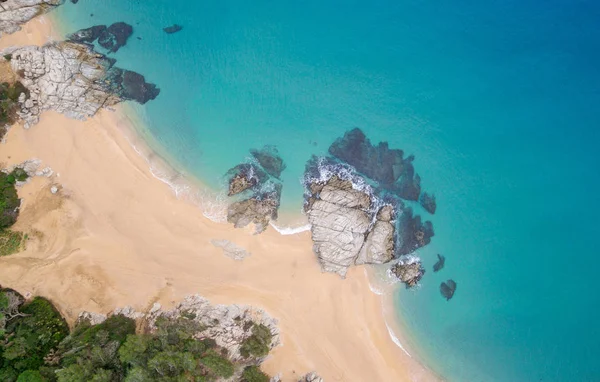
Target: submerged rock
[412, 233]
[173, 29]
[115, 36]
[243, 177]
[72, 79]
[428, 202]
[268, 157]
[440, 263]
[447, 289]
[342, 229]
[409, 270]
[258, 209]
[87, 35]
[14, 13]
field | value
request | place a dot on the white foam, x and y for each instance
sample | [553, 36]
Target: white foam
[290, 230]
[396, 340]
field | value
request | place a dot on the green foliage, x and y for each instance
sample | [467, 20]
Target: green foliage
[254, 374]
[30, 376]
[258, 344]
[9, 201]
[9, 105]
[8, 57]
[30, 336]
[218, 365]
[11, 242]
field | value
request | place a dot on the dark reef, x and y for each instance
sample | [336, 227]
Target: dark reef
[173, 29]
[268, 157]
[447, 289]
[428, 202]
[412, 233]
[131, 85]
[440, 263]
[111, 38]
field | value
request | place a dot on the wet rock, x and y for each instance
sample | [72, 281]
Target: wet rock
[412, 233]
[243, 177]
[88, 35]
[440, 263]
[71, 78]
[385, 213]
[259, 210]
[14, 13]
[447, 289]
[115, 36]
[173, 29]
[342, 229]
[268, 157]
[409, 270]
[428, 202]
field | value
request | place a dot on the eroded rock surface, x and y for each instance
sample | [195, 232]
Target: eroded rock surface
[14, 13]
[72, 79]
[344, 230]
[447, 289]
[409, 270]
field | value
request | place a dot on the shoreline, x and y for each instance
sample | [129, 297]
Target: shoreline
[87, 233]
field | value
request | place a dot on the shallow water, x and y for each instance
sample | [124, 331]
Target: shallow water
[497, 100]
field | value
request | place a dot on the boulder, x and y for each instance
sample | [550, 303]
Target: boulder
[409, 270]
[447, 289]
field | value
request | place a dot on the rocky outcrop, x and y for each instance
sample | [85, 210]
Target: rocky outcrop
[269, 159]
[447, 289]
[111, 38]
[428, 202]
[231, 249]
[243, 177]
[440, 263]
[311, 377]
[409, 270]
[412, 232]
[259, 209]
[14, 13]
[72, 79]
[344, 230]
[228, 325]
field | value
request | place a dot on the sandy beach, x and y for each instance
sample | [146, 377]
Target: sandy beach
[114, 235]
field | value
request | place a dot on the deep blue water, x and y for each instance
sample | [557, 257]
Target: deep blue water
[498, 100]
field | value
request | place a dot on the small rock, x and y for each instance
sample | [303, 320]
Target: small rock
[440, 263]
[447, 289]
[173, 29]
[54, 189]
[409, 270]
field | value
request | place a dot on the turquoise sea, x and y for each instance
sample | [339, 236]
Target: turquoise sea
[499, 101]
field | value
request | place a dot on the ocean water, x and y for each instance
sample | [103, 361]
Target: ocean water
[499, 101]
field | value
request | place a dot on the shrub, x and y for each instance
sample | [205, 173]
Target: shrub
[9, 201]
[258, 344]
[254, 374]
[30, 376]
[11, 242]
[8, 57]
[218, 365]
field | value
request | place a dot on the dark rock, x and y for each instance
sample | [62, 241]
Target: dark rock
[428, 202]
[447, 289]
[259, 210]
[88, 35]
[115, 36]
[440, 263]
[243, 177]
[268, 157]
[413, 234]
[74, 1]
[409, 270]
[130, 85]
[173, 29]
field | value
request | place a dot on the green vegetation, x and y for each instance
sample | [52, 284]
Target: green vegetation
[9, 101]
[257, 345]
[35, 346]
[9, 201]
[8, 57]
[11, 242]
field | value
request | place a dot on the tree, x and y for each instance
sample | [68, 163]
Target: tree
[258, 344]
[30, 376]
[254, 374]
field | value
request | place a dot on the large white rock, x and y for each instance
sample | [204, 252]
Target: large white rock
[14, 13]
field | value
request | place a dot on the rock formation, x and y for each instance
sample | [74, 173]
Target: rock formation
[409, 270]
[447, 289]
[268, 157]
[14, 13]
[412, 233]
[311, 377]
[231, 249]
[228, 325]
[72, 79]
[111, 38]
[172, 29]
[344, 230]
[428, 202]
[258, 209]
[243, 177]
[440, 263]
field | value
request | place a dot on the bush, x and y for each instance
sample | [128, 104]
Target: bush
[30, 376]
[254, 374]
[218, 365]
[11, 242]
[8, 57]
[9, 201]
[258, 344]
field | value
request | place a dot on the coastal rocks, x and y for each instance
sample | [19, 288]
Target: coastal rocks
[111, 38]
[440, 263]
[311, 377]
[14, 13]
[230, 249]
[409, 270]
[428, 202]
[172, 29]
[259, 209]
[412, 233]
[72, 79]
[258, 185]
[447, 289]
[269, 159]
[342, 226]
